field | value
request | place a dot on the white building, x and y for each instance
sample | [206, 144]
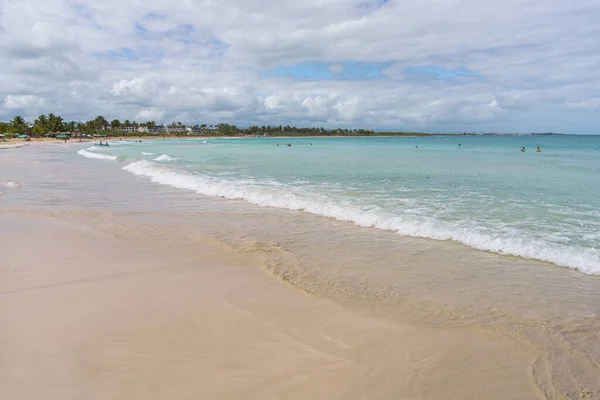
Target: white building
[157, 129]
[175, 129]
[128, 129]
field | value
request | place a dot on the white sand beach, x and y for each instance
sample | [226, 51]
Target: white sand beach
[5, 146]
[87, 315]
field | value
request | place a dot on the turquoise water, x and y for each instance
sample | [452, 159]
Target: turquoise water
[485, 193]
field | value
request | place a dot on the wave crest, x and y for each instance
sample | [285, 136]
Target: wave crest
[165, 157]
[90, 154]
[586, 260]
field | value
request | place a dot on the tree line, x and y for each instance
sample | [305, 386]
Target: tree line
[51, 124]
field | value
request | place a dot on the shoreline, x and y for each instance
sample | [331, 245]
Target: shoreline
[429, 288]
[188, 137]
[6, 146]
[189, 318]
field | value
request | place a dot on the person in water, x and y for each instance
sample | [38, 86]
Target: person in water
[538, 150]
[523, 149]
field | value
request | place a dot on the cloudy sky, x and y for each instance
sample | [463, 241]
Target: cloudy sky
[432, 65]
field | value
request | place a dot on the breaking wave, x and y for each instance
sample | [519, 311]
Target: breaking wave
[517, 243]
[90, 154]
[165, 157]
[97, 148]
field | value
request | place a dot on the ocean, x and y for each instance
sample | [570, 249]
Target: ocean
[443, 231]
[482, 192]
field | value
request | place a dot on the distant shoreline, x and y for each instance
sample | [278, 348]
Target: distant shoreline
[16, 142]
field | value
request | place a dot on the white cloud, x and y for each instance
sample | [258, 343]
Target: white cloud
[205, 61]
[348, 110]
[19, 102]
[150, 114]
[124, 87]
[593, 103]
[336, 69]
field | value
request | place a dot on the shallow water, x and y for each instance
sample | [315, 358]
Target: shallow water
[484, 193]
[439, 283]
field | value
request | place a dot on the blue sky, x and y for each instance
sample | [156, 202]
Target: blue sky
[457, 65]
[342, 70]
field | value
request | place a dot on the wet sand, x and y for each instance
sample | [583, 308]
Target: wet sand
[85, 313]
[6, 145]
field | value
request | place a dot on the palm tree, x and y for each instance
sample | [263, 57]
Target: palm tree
[115, 124]
[40, 125]
[55, 123]
[70, 126]
[100, 122]
[19, 125]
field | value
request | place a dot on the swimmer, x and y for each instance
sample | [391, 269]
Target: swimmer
[538, 150]
[523, 149]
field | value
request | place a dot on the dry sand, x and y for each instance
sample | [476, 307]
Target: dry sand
[85, 315]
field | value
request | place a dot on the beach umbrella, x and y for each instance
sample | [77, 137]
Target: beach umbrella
[23, 136]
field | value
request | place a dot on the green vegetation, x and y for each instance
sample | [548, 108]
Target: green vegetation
[287, 130]
[53, 125]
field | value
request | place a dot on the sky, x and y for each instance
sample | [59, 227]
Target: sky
[426, 65]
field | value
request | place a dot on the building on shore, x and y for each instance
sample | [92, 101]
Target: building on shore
[128, 129]
[155, 130]
[170, 130]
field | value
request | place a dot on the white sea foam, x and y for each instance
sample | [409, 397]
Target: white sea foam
[148, 154]
[165, 157]
[9, 184]
[90, 154]
[98, 149]
[514, 242]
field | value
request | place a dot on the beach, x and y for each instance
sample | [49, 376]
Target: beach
[194, 320]
[6, 146]
[115, 286]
